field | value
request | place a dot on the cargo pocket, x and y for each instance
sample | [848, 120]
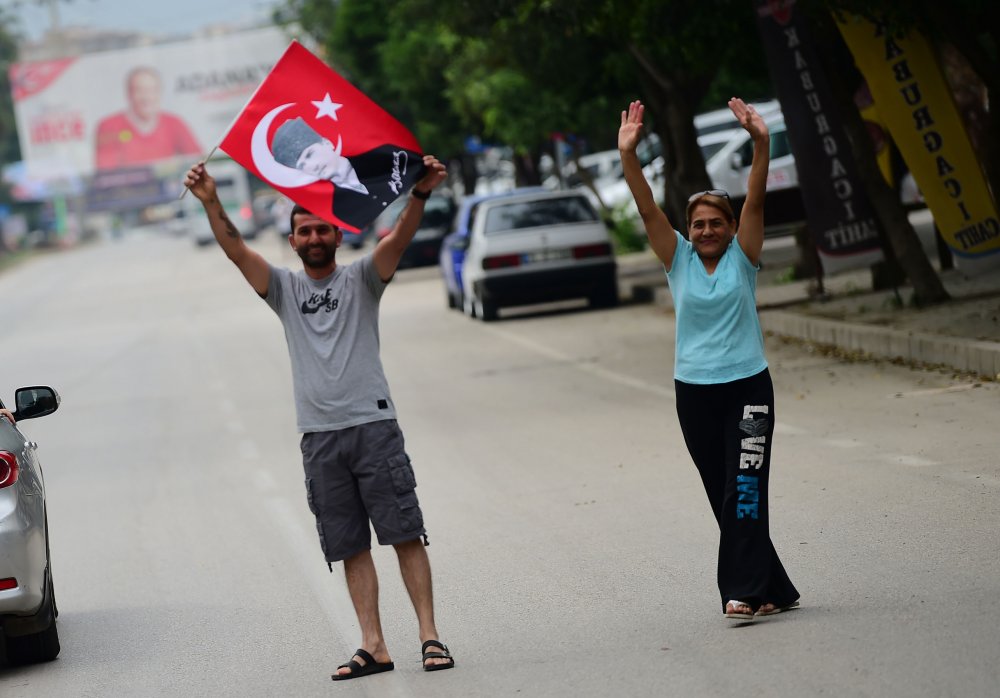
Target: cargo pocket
[311, 499]
[403, 479]
[404, 482]
[410, 516]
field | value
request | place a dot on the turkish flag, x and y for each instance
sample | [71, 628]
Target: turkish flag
[319, 140]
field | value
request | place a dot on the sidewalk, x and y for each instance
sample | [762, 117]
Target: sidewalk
[962, 335]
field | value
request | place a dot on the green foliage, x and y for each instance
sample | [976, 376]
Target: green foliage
[517, 71]
[626, 233]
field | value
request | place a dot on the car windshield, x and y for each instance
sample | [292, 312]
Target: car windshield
[541, 212]
[710, 149]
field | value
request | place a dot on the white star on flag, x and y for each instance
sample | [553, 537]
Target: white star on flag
[327, 107]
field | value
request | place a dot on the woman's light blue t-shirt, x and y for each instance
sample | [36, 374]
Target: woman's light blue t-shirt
[718, 331]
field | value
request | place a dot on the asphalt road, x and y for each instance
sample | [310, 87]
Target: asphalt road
[573, 549]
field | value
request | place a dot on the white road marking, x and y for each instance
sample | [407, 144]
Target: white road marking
[329, 590]
[843, 443]
[556, 355]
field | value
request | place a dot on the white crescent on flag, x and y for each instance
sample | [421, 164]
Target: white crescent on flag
[272, 170]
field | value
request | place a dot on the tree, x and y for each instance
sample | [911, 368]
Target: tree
[10, 149]
[396, 53]
[518, 70]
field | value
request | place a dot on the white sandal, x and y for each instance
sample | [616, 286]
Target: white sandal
[776, 609]
[738, 615]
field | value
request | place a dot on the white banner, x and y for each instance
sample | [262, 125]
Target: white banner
[137, 106]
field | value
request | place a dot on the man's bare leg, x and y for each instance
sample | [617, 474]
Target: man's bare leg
[362, 583]
[416, 570]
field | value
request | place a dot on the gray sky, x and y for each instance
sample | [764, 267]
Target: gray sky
[159, 17]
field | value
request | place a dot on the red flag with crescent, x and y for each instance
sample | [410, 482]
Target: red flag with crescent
[319, 140]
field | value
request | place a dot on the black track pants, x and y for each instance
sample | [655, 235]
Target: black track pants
[728, 429]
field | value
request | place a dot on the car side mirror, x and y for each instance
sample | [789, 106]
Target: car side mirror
[35, 401]
[736, 161]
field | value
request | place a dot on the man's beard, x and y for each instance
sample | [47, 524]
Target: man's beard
[317, 261]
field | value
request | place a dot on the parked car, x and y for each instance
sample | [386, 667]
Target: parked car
[453, 247]
[425, 247]
[537, 247]
[723, 119]
[357, 240]
[27, 596]
[727, 161]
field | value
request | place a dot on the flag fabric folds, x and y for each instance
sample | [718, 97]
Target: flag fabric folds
[323, 143]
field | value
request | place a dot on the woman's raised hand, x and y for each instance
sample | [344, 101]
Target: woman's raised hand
[631, 129]
[748, 118]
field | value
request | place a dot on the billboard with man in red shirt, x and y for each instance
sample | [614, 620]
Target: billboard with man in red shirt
[160, 105]
[143, 132]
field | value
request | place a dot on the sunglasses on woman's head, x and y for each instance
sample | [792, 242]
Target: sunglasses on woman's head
[712, 192]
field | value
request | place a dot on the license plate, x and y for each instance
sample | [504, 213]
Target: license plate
[546, 256]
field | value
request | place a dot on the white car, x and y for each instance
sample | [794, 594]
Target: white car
[537, 247]
[729, 165]
[728, 155]
[723, 119]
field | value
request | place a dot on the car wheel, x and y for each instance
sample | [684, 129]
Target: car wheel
[37, 647]
[486, 310]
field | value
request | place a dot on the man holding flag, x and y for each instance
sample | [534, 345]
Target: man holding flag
[322, 143]
[356, 467]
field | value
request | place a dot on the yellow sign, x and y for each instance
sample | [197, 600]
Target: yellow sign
[916, 104]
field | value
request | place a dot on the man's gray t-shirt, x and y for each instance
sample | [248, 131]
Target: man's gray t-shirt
[331, 326]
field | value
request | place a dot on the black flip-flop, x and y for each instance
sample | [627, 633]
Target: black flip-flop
[358, 670]
[443, 654]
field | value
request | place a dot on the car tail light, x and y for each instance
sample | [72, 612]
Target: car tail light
[8, 583]
[8, 469]
[501, 261]
[601, 249]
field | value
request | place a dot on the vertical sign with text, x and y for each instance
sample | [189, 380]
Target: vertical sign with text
[916, 103]
[839, 215]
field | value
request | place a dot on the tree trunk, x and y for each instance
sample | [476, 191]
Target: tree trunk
[903, 240]
[670, 102]
[526, 172]
[977, 43]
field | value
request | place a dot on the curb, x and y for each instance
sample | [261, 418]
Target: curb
[960, 354]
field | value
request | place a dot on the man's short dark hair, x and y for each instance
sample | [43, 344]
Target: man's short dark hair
[296, 210]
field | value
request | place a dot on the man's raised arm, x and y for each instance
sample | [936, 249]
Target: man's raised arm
[254, 267]
[390, 249]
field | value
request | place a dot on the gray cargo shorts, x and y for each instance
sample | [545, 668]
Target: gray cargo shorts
[357, 475]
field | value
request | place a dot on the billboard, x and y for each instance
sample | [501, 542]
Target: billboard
[138, 106]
